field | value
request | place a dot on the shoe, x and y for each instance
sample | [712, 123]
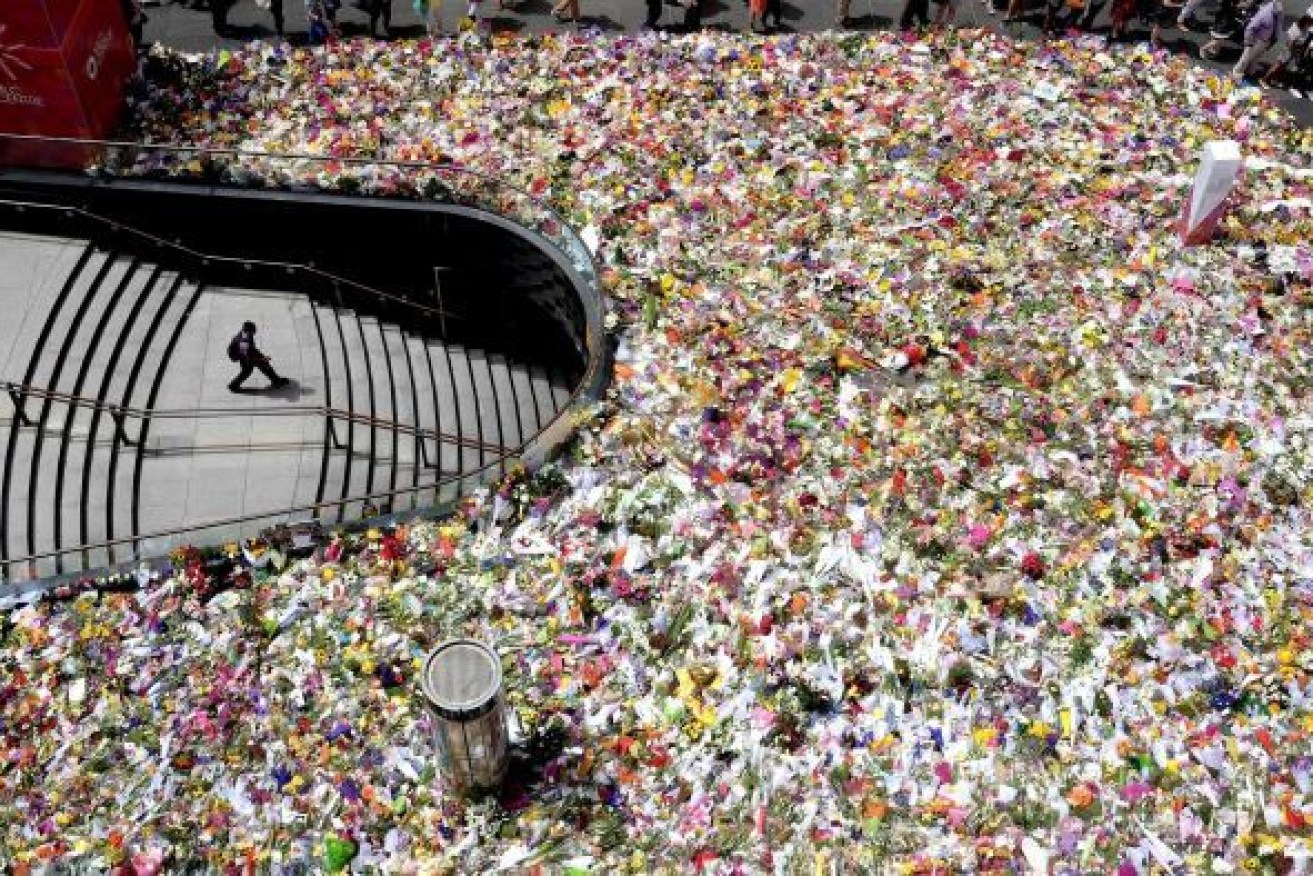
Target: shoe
[235, 389]
[280, 382]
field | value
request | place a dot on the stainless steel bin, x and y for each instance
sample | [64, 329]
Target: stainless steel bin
[462, 682]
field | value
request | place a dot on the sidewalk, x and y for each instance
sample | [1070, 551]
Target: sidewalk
[188, 29]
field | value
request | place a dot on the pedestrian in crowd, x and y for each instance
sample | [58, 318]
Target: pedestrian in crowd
[274, 8]
[916, 13]
[1294, 46]
[653, 18]
[566, 10]
[1090, 11]
[219, 15]
[322, 18]
[242, 350]
[756, 16]
[774, 17]
[1053, 10]
[429, 12]
[946, 14]
[842, 18]
[135, 16]
[1016, 10]
[692, 15]
[1262, 32]
[376, 10]
[1186, 18]
[1123, 13]
[1157, 14]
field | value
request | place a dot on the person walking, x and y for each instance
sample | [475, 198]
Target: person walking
[1261, 34]
[242, 350]
[429, 12]
[918, 10]
[219, 15]
[652, 20]
[275, 9]
[566, 11]
[379, 9]
[136, 19]
[774, 17]
[1293, 49]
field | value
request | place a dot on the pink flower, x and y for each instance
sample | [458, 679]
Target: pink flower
[978, 536]
[1136, 791]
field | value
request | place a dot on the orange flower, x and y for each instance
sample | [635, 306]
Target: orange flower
[1080, 796]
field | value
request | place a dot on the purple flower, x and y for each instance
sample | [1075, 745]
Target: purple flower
[349, 790]
[340, 729]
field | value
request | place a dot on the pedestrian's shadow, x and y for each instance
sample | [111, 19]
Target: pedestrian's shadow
[601, 22]
[247, 32]
[407, 32]
[292, 391]
[870, 22]
[505, 23]
[530, 7]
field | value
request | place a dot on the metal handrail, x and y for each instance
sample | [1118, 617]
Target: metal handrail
[576, 249]
[17, 391]
[247, 518]
[206, 258]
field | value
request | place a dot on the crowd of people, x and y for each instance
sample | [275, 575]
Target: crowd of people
[1256, 28]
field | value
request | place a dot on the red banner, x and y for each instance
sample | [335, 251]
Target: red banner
[63, 66]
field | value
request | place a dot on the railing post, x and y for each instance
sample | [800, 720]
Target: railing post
[424, 453]
[332, 432]
[437, 293]
[17, 398]
[120, 417]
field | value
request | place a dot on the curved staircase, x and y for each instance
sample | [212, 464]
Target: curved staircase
[116, 422]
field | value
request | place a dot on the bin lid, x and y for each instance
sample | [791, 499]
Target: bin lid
[461, 675]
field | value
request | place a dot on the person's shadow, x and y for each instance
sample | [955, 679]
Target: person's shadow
[291, 391]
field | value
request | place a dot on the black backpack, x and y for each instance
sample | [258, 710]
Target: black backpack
[235, 348]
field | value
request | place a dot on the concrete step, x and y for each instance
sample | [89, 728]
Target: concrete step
[36, 269]
[65, 363]
[146, 355]
[139, 307]
[387, 375]
[485, 392]
[522, 384]
[428, 403]
[451, 418]
[76, 321]
[510, 415]
[89, 433]
[469, 413]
